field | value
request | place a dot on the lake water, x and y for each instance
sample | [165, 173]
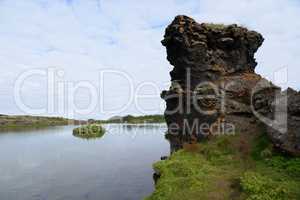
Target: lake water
[52, 164]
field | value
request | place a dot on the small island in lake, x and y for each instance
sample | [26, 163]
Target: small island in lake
[89, 131]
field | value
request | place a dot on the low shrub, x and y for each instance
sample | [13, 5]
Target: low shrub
[259, 187]
[89, 131]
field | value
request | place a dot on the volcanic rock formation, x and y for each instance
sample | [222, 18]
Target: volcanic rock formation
[214, 89]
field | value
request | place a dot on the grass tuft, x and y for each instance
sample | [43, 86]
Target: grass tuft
[215, 26]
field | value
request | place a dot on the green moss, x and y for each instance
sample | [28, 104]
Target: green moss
[228, 167]
[263, 152]
[288, 165]
[89, 131]
[184, 176]
[261, 146]
[215, 26]
[259, 187]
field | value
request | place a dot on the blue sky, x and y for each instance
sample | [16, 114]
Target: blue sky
[82, 37]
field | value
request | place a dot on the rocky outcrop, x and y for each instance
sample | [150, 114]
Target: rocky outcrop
[290, 140]
[214, 88]
[284, 111]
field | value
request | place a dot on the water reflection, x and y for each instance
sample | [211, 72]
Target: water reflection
[51, 164]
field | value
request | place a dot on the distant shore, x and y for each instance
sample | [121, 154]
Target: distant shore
[130, 119]
[19, 121]
[27, 121]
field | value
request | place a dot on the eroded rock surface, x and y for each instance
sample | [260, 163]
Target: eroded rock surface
[214, 88]
[284, 129]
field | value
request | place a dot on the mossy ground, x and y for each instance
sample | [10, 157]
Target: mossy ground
[228, 167]
[89, 131]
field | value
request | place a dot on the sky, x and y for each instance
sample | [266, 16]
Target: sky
[101, 58]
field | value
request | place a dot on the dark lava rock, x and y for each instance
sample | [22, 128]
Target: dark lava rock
[214, 89]
[284, 130]
[156, 177]
[164, 158]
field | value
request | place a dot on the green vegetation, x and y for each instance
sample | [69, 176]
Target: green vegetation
[215, 26]
[228, 167]
[136, 119]
[259, 187]
[89, 131]
[10, 122]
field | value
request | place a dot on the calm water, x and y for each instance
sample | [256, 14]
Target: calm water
[53, 164]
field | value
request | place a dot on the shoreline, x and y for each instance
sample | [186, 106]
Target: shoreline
[8, 122]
